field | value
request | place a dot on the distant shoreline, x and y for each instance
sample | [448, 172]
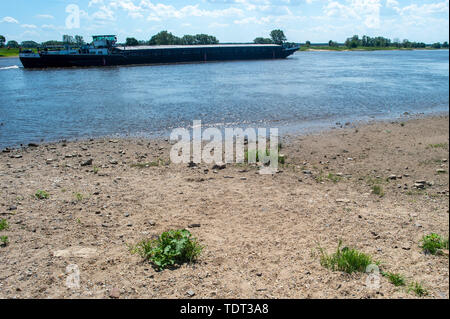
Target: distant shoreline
[343, 49]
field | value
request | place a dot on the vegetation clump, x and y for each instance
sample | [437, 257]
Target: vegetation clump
[4, 241]
[418, 289]
[433, 243]
[4, 224]
[395, 279]
[378, 190]
[40, 194]
[346, 259]
[171, 248]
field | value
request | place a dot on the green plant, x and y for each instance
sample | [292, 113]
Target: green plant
[433, 243]
[346, 259]
[79, 197]
[333, 177]
[418, 289]
[439, 145]
[95, 169]
[40, 194]
[4, 241]
[4, 224]
[395, 279]
[172, 247]
[378, 190]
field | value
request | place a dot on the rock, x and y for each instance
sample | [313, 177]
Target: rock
[113, 162]
[12, 207]
[190, 293]
[226, 176]
[81, 252]
[419, 185]
[126, 215]
[307, 172]
[194, 225]
[219, 166]
[151, 223]
[392, 177]
[114, 293]
[441, 171]
[342, 200]
[87, 162]
[32, 145]
[192, 164]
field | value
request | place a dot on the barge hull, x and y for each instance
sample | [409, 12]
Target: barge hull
[155, 55]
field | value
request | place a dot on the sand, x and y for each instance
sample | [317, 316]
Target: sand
[261, 233]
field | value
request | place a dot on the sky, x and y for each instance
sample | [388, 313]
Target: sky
[229, 20]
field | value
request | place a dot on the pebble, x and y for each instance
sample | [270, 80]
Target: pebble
[114, 293]
[190, 293]
[219, 166]
[87, 162]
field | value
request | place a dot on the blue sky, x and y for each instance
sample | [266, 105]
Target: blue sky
[228, 20]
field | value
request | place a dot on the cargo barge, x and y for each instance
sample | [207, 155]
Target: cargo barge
[103, 51]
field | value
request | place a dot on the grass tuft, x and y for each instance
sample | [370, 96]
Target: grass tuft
[172, 247]
[395, 279]
[40, 194]
[433, 243]
[378, 190]
[418, 289]
[4, 224]
[4, 241]
[346, 259]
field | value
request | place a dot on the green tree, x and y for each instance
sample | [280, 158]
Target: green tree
[188, 40]
[308, 43]
[29, 44]
[12, 44]
[2, 41]
[131, 42]
[205, 39]
[353, 42]
[164, 38]
[445, 45]
[68, 39]
[278, 36]
[436, 45]
[79, 40]
[261, 40]
[331, 43]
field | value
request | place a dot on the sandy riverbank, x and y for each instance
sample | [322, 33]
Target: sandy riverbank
[260, 232]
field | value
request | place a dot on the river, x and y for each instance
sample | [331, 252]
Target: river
[307, 90]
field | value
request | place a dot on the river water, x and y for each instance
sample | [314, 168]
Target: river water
[307, 90]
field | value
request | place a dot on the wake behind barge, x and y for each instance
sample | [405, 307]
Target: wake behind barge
[104, 52]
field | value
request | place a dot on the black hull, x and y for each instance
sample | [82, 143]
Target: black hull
[155, 56]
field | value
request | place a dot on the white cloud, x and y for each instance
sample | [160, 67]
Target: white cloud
[45, 16]
[9, 20]
[365, 10]
[391, 3]
[29, 26]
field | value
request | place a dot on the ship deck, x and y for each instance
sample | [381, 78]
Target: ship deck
[150, 47]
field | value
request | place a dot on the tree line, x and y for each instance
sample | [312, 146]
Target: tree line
[67, 39]
[381, 42]
[167, 38]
